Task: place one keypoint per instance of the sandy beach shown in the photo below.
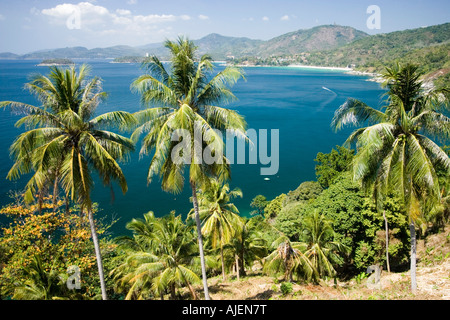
(320, 68)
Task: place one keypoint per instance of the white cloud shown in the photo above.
(66, 9)
(99, 25)
(203, 17)
(2, 17)
(131, 2)
(123, 12)
(265, 18)
(99, 19)
(285, 18)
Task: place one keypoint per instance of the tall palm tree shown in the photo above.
(219, 216)
(159, 256)
(186, 98)
(395, 153)
(322, 250)
(66, 142)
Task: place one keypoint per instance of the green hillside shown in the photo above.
(428, 47)
(318, 38)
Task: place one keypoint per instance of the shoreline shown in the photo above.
(298, 66)
(373, 77)
(320, 68)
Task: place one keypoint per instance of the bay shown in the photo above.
(299, 102)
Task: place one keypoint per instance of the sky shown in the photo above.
(31, 25)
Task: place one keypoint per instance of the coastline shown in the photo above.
(320, 68)
(374, 77)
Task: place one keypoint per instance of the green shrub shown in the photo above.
(286, 288)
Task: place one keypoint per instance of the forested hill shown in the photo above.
(429, 47)
(310, 40)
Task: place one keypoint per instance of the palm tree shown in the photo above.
(220, 218)
(289, 257)
(159, 256)
(66, 142)
(246, 247)
(39, 284)
(395, 153)
(185, 100)
(323, 251)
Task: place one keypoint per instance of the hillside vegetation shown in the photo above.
(427, 47)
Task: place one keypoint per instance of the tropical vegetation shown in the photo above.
(372, 197)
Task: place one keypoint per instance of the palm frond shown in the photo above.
(355, 112)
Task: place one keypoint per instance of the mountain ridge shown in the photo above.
(218, 46)
(325, 46)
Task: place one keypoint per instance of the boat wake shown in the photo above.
(328, 101)
(325, 88)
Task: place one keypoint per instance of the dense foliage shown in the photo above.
(38, 244)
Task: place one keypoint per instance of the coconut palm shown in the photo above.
(39, 284)
(183, 103)
(322, 250)
(395, 153)
(289, 257)
(160, 256)
(66, 141)
(246, 247)
(220, 217)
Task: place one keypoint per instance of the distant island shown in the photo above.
(56, 62)
(128, 59)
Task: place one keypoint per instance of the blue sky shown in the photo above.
(30, 25)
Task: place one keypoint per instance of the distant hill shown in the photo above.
(218, 46)
(375, 50)
(310, 40)
(318, 38)
(428, 47)
(84, 53)
(8, 55)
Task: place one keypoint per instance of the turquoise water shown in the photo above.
(298, 102)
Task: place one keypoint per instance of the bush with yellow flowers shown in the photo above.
(60, 237)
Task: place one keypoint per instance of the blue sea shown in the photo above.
(299, 102)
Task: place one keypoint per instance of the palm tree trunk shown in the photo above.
(40, 201)
(200, 240)
(67, 205)
(237, 267)
(387, 240)
(55, 193)
(97, 254)
(192, 291)
(223, 262)
(241, 262)
(412, 230)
